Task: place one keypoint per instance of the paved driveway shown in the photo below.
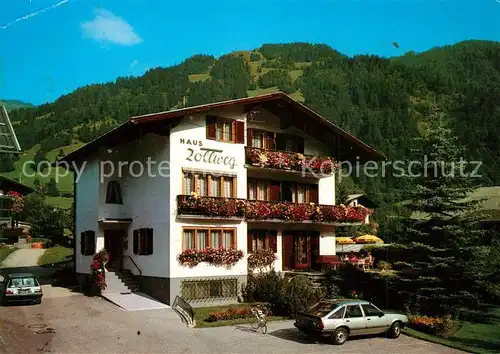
(77, 324)
(23, 257)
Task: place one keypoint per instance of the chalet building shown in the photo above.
(354, 200)
(234, 177)
(9, 191)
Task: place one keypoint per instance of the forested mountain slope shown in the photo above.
(380, 100)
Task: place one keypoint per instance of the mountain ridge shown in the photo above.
(380, 100)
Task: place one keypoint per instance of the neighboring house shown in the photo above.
(8, 138)
(7, 186)
(354, 200)
(223, 175)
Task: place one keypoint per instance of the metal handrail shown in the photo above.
(135, 264)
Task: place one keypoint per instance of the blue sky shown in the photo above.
(51, 47)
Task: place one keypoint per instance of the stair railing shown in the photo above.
(135, 264)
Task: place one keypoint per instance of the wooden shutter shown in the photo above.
(313, 194)
(269, 141)
(240, 132)
(300, 144)
(91, 242)
(136, 242)
(142, 241)
(249, 241)
(275, 191)
(273, 240)
(211, 127)
(287, 252)
(280, 141)
(83, 236)
(249, 137)
(149, 242)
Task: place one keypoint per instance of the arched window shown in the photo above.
(114, 193)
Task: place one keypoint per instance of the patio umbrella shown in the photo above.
(368, 239)
(344, 240)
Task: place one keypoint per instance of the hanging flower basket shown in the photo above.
(97, 268)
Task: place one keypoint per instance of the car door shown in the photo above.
(355, 320)
(376, 322)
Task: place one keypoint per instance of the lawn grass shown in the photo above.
(261, 91)
(60, 202)
(202, 313)
(4, 252)
(198, 77)
(295, 74)
(65, 181)
(55, 255)
(482, 335)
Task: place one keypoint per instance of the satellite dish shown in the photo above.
(8, 138)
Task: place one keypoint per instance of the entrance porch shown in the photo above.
(298, 247)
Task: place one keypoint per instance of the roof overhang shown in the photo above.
(7, 184)
(345, 145)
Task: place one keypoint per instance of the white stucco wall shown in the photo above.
(327, 243)
(326, 190)
(188, 135)
(87, 194)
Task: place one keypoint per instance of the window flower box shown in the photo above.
(264, 210)
(226, 257)
(292, 161)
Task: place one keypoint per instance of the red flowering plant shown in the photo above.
(98, 270)
(264, 210)
(222, 207)
(290, 161)
(226, 257)
(17, 203)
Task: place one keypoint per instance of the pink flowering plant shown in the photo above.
(98, 271)
(226, 257)
(221, 207)
(290, 161)
(17, 203)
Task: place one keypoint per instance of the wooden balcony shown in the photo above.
(256, 210)
(290, 161)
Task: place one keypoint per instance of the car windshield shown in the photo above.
(321, 309)
(22, 282)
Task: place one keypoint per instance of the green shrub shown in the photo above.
(286, 296)
(383, 265)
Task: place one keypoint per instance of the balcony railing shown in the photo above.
(290, 161)
(265, 210)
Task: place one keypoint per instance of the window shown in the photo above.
(290, 143)
(321, 308)
(262, 239)
(371, 310)
(338, 314)
(208, 237)
(260, 139)
(113, 193)
(353, 311)
(143, 242)
(259, 190)
(87, 243)
(206, 289)
(209, 185)
(226, 130)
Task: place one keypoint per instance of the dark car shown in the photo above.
(20, 287)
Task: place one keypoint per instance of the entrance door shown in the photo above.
(302, 250)
(113, 243)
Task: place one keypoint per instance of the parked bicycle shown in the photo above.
(258, 319)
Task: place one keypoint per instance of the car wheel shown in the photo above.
(340, 336)
(395, 330)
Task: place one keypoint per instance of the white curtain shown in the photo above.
(188, 239)
(202, 185)
(215, 188)
(228, 238)
(228, 187)
(215, 238)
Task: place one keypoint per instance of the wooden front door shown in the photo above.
(113, 243)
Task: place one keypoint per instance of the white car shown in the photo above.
(343, 318)
(20, 287)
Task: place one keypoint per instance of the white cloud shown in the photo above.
(106, 27)
(134, 64)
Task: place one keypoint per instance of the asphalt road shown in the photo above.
(77, 324)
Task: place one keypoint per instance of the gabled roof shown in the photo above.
(277, 103)
(7, 184)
